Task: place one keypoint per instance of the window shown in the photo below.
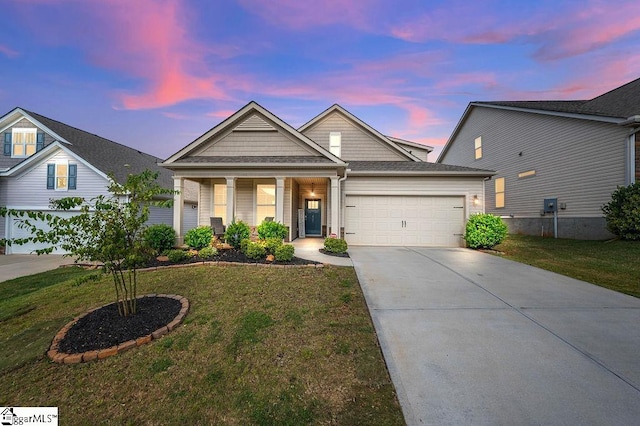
(265, 202)
(220, 201)
(335, 142)
(499, 185)
(62, 176)
(22, 142)
(527, 174)
(478, 147)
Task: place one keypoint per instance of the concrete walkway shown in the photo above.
(308, 248)
(471, 338)
(18, 265)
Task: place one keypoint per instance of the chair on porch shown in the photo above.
(217, 227)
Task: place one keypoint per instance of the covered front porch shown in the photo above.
(308, 205)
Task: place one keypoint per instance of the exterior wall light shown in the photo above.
(476, 201)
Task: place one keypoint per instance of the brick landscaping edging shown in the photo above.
(64, 358)
(225, 263)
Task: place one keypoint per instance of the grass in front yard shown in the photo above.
(612, 264)
(258, 346)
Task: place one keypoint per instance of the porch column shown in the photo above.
(279, 200)
(231, 200)
(178, 206)
(335, 206)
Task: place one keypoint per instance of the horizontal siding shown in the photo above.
(190, 217)
(253, 123)
(244, 200)
(579, 162)
(160, 215)
(356, 144)
(205, 202)
(30, 187)
(256, 144)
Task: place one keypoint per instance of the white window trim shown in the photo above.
(257, 219)
(66, 164)
(223, 188)
(503, 192)
(16, 130)
(335, 143)
(477, 148)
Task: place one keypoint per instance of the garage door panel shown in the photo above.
(404, 220)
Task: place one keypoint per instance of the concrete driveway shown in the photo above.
(18, 265)
(471, 338)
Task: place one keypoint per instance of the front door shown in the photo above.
(312, 224)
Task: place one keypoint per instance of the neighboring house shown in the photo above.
(44, 159)
(334, 175)
(577, 152)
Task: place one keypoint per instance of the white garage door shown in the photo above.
(15, 231)
(404, 220)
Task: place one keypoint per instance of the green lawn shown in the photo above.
(613, 264)
(259, 346)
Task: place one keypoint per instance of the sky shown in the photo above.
(157, 74)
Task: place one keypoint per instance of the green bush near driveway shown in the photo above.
(484, 231)
(284, 253)
(622, 213)
(335, 245)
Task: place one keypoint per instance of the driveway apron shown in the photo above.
(471, 338)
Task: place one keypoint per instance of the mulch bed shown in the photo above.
(328, 253)
(232, 255)
(104, 327)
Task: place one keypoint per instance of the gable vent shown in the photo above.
(253, 124)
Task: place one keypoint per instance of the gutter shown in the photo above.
(632, 121)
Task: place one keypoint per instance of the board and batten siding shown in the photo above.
(426, 186)
(255, 144)
(580, 162)
(29, 189)
(356, 143)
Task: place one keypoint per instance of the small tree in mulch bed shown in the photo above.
(107, 229)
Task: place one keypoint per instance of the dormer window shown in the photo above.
(335, 142)
(22, 142)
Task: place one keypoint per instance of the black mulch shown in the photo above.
(328, 253)
(232, 255)
(105, 328)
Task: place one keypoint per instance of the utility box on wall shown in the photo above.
(550, 205)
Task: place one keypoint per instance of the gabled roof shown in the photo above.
(235, 119)
(353, 118)
(103, 154)
(618, 106)
(410, 144)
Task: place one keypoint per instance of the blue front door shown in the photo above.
(312, 223)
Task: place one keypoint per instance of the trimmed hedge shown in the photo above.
(207, 252)
(160, 237)
(255, 250)
(284, 253)
(272, 229)
(622, 213)
(199, 237)
(485, 231)
(335, 245)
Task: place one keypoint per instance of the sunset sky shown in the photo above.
(156, 74)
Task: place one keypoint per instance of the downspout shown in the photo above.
(340, 212)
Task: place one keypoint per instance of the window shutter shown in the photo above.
(51, 176)
(7, 144)
(40, 142)
(73, 176)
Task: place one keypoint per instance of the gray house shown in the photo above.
(334, 175)
(577, 152)
(44, 159)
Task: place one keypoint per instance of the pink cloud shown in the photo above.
(8, 52)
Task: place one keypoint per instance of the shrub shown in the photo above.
(199, 237)
(272, 244)
(284, 253)
(484, 231)
(236, 232)
(622, 213)
(255, 250)
(272, 229)
(335, 245)
(208, 252)
(160, 237)
(176, 256)
(243, 245)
